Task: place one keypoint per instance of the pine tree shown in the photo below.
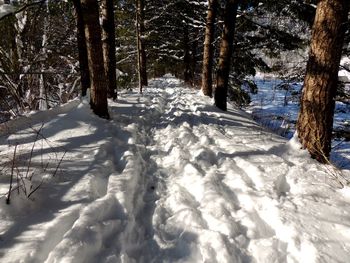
(179, 53)
(109, 46)
(315, 119)
(98, 89)
(226, 49)
(208, 52)
(188, 77)
(82, 50)
(141, 53)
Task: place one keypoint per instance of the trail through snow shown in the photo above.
(170, 179)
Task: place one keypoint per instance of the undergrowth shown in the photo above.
(28, 166)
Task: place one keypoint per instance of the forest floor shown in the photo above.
(169, 179)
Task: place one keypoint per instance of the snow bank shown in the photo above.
(36, 117)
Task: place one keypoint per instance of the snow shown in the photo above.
(5, 9)
(344, 74)
(169, 179)
(278, 108)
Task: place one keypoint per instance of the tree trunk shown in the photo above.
(194, 48)
(42, 93)
(208, 53)
(15, 54)
(226, 49)
(108, 33)
(315, 119)
(82, 50)
(43, 105)
(187, 56)
(98, 90)
(141, 54)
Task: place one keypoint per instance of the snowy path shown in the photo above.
(172, 179)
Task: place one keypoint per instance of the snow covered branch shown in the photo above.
(7, 10)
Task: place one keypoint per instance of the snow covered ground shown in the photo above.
(169, 179)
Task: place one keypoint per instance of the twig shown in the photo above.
(32, 150)
(47, 165)
(35, 189)
(23, 186)
(18, 179)
(5, 194)
(335, 146)
(54, 174)
(11, 179)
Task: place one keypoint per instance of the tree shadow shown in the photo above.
(83, 155)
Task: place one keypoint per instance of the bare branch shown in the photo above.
(11, 179)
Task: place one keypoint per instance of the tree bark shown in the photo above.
(98, 90)
(108, 34)
(141, 53)
(194, 49)
(187, 56)
(208, 53)
(315, 119)
(226, 49)
(43, 105)
(15, 55)
(82, 49)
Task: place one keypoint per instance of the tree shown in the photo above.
(226, 49)
(98, 90)
(188, 75)
(175, 53)
(208, 52)
(315, 119)
(109, 46)
(141, 53)
(82, 50)
(38, 56)
(14, 11)
(43, 98)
